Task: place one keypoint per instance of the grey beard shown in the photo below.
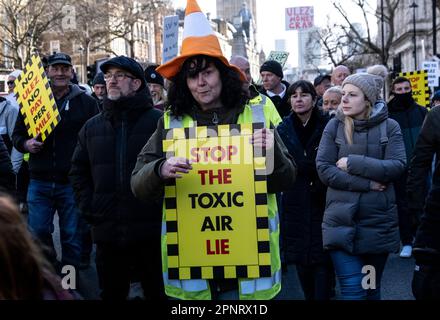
(113, 98)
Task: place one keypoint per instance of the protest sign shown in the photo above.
(216, 215)
(36, 101)
(419, 86)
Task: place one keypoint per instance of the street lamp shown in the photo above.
(382, 20)
(81, 51)
(434, 28)
(414, 6)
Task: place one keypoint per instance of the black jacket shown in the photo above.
(102, 163)
(98, 101)
(428, 144)
(410, 119)
(7, 177)
(303, 204)
(282, 104)
(52, 163)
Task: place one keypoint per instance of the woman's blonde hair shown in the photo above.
(22, 264)
(349, 123)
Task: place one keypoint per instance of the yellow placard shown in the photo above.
(217, 223)
(419, 86)
(36, 100)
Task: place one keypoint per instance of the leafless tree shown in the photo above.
(344, 42)
(21, 24)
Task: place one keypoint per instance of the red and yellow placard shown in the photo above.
(36, 100)
(419, 86)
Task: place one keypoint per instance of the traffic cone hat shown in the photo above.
(198, 39)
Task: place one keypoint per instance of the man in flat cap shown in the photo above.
(126, 231)
(155, 83)
(99, 90)
(49, 163)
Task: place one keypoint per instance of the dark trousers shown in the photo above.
(426, 283)
(117, 266)
(86, 239)
(22, 182)
(406, 222)
(317, 281)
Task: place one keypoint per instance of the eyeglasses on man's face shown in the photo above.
(119, 76)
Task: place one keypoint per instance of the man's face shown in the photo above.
(339, 75)
(270, 80)
(323, 86)
(244, 67)
(59, 75)
(155, 91)
(99, 90)
(120, 83)
(401, 88)
(10, 83)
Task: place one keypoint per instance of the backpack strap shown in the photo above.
(339, 138)
(383, 136)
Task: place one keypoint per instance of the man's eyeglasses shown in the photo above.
(10, 83)
(119, 76)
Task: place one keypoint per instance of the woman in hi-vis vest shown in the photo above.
(207, 91)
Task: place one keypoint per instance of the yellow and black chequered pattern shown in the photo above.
(36, 61)
(424, 99)
(263, 268)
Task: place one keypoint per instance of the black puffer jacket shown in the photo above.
(52, 163)
(7, 176)
(304, 203)
(104, 158)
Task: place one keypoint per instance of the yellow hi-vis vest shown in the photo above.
(264, 288)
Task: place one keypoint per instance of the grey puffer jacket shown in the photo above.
(357, 219)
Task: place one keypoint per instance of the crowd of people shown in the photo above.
(355, 176)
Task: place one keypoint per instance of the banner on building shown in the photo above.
(36, 101)
(216, 215)
(419, 86)
(170, 38)
(299, 18)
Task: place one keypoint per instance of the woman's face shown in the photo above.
(301, 102)
(330, 101)
(353, 102)
(206, 87)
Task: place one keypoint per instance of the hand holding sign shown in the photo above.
(173, 165)
(263, 138)
(33, 145)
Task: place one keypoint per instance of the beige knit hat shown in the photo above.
(370, 84)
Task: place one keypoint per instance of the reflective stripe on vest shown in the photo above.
(192, 285)
(260, 284)
(258, 111)
(175, 122)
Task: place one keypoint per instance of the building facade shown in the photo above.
(403, 53)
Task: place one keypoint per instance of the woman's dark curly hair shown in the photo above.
(180, 99)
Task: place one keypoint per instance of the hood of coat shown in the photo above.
(378, 114)
(114, 108)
